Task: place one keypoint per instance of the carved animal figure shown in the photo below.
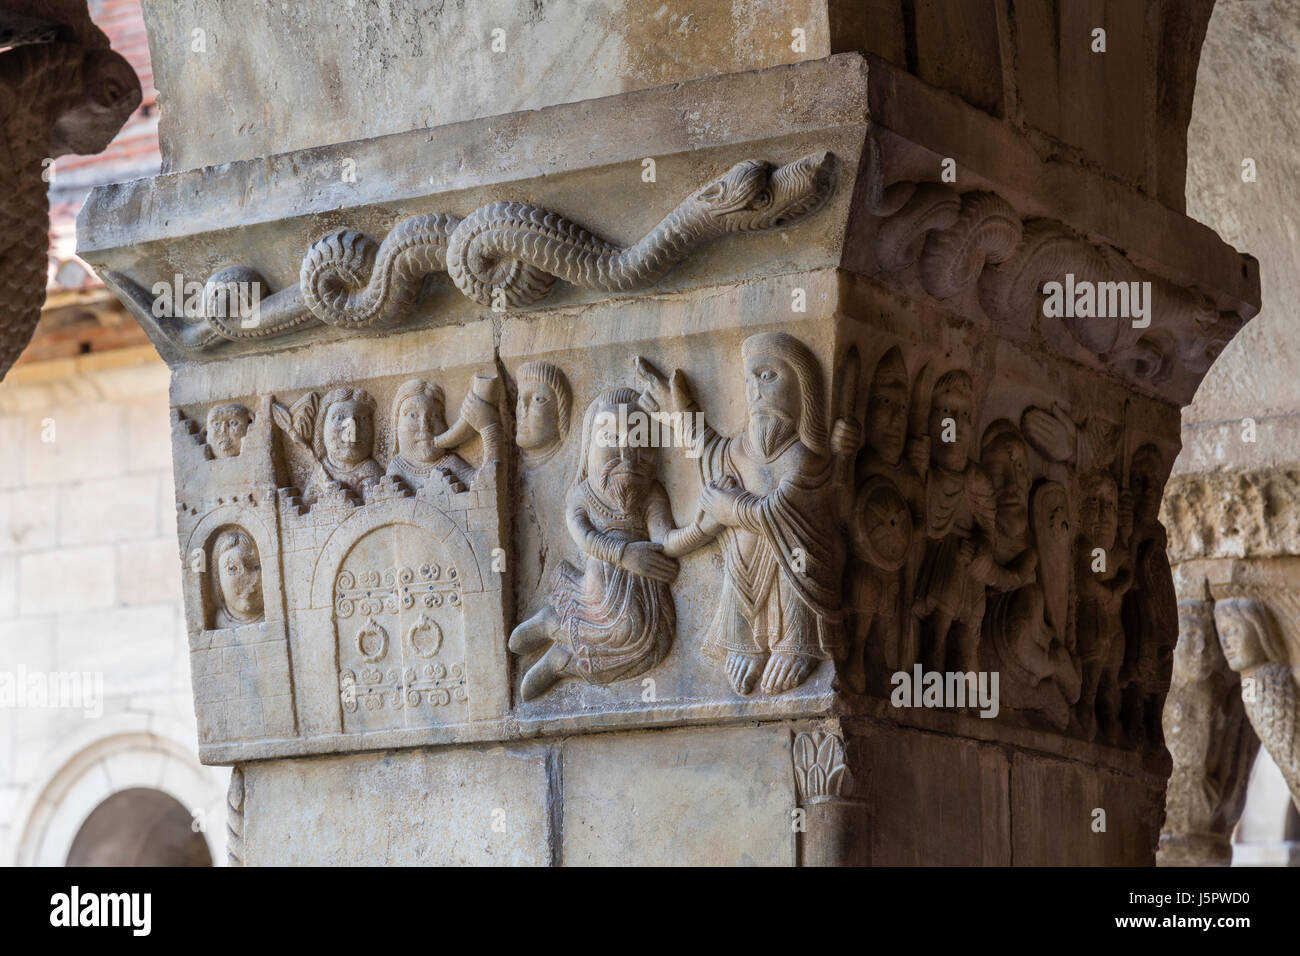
(508, 250)
(55, 98)
(489, 247)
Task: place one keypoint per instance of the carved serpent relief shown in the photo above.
(505, 254)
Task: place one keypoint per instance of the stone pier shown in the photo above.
(609, 435)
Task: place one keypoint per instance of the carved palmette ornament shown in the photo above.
(820, 772)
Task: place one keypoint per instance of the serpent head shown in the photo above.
(757, 195)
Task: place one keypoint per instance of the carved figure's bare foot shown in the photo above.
(743, 671)
(786, 672)
(533, 634)
(542, 676)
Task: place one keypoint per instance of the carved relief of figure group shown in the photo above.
(882, 536)
(893, 536)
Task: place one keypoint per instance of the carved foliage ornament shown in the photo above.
(960, 240)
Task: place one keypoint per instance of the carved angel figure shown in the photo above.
(613, 618)
(1269, 688)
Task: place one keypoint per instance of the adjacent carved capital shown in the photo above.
(55, 98)
(1233, 514)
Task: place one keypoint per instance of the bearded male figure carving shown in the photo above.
(1269, 688)
(771, 488)
(613, 619)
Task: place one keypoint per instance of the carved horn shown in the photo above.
(478, 412)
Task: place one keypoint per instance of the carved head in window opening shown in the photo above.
(951, 420)
(1246, 634)
(419, 416)
(226, 428)
(345, 427)
(617, 466)
(542, 410)
(886, 426)
(238, 573)
(783, 392)
(1099, 509)
(1005, 458)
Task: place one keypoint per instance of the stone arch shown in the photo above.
(139, 826)
(120, 753)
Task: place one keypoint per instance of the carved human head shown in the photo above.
(783, 390)
(1005, 458)
(542, 410)
(1147, 474)
(238, 574)
(419, 416)
(345, 426)
(886, 426)
(227, 425)
(1197, 637)
(1099, 508)
(613, 458)
(951, 419)
(1246, 634)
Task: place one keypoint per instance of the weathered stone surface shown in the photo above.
(933, 800)
(719, 797)
(485, 807)
(1054, 809)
